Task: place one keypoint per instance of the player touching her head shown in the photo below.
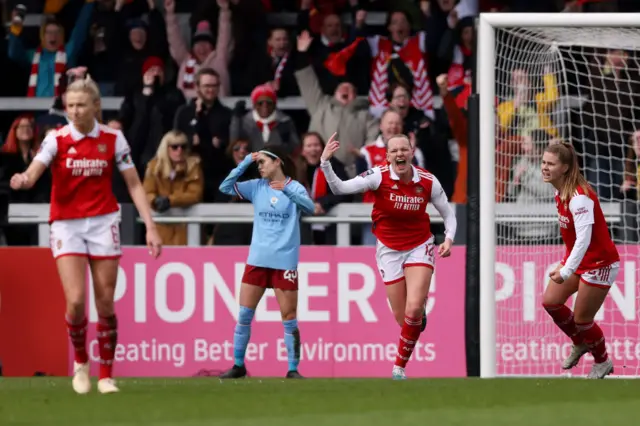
(405, 252)
(590, 265)
(278, 202)
(85, 220)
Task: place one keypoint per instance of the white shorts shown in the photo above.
(96, 237)
(391, 263)
(603, 277)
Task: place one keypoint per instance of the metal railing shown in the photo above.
(343, 216)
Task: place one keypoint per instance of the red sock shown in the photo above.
(563, 317)
(107, 340)
(594, 338)
(78, 335)
(408, 339)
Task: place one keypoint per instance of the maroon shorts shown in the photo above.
(270, 278)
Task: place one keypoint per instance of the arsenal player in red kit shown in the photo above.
(405, 251)
(590, 265)
(85, 221)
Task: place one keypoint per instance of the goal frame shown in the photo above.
(486, 60)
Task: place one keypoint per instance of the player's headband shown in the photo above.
(270, 154)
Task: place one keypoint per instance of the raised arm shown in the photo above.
(230, 185)
(367, 181)
(581, 208)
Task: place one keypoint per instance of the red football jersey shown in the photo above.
(376, 155)
(584, 209)
(400, 218)
(82, 168)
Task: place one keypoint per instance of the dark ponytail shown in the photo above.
(286, 162)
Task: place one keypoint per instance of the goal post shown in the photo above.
(516, 337)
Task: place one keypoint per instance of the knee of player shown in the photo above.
(289, 314)
(75, 309)
(105, 307)
(414, 310)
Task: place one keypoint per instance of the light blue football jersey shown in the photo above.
(275, 242)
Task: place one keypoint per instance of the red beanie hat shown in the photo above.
(150, 62)
(263, 90)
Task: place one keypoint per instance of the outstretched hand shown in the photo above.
(330, 148)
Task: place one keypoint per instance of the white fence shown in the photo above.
(343, 216)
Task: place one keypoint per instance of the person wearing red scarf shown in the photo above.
(324, 199)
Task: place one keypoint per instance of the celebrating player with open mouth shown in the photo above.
(278, 202)
(590, 265)
(405, 252)
(85, 221)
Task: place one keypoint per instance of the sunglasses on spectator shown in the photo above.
(176, 147)
(264, 102)
(240, 148)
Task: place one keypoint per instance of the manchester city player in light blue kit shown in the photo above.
(278, 201)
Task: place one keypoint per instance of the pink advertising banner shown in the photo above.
(177, 315)
(528, 343)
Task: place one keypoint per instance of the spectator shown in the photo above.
(456, 114)
(527, 187)
(206, 122)
(50, 60)
(202, 53)
(249, 30)
(342, 112)
(326, 29)
(274, 66)
(146, 37)
(234, 234)
(265, 123)
(324, 199)
(20, 146)
(397, 59)
(456, 49)
(149, 113)
(613, 116)
(173, 179)
(524, 112)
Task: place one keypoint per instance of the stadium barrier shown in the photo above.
(177, 315)
(343, 215)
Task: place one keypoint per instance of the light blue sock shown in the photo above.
(242, 334)
(292, 343)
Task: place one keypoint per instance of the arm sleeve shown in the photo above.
(441, 203)
(581, 208)
(367, 181)
(123, 153)
(298, 194)
(48, 149)
(231, 186)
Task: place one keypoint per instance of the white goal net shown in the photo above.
(580, 85)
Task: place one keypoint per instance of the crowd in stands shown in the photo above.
(176, 63)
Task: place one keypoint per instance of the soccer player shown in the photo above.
(590, 265)
(405, 252)
(278, 201)
(85, 221)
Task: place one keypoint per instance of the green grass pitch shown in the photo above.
(332, 402)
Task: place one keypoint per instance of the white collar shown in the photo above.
(379, 142)
(394, 176)
(76, 135)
